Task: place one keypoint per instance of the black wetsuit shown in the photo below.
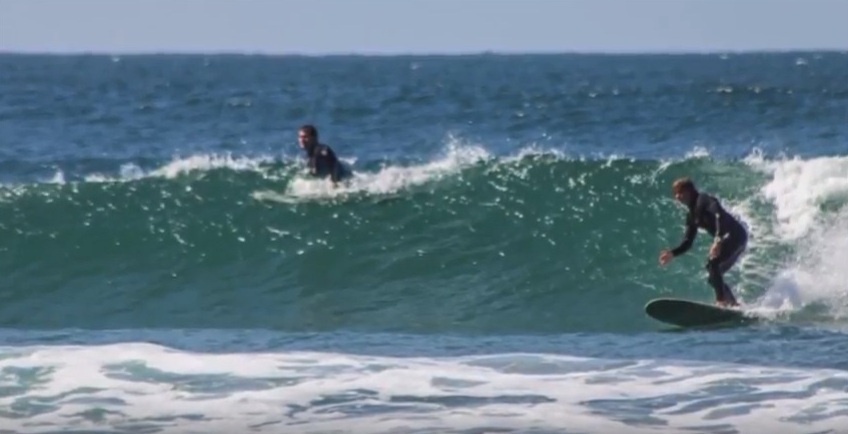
(323, 162)
(706, 212)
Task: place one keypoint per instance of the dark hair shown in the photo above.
(683, 184)
(310, 130)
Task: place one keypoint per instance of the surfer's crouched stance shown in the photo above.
(730, 236)
(322, 160)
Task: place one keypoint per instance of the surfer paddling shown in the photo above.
(730, 237)
(322, 161)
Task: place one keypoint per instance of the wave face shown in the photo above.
(166, 266)
(469, 242)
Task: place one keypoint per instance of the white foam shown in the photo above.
(458, 155)
(310, 392)
(179, 166)
(810, 198)
(800, 187)
(207, 162)
(819, 273)
(389, 179)
(697, 152)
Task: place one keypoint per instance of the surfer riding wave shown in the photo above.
(729, 235)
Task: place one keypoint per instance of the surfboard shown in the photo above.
(688, 313)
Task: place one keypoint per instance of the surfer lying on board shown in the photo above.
(322, 161)
(730, 237)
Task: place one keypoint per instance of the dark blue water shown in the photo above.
(167, 264)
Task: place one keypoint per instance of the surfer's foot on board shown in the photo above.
(727, 304)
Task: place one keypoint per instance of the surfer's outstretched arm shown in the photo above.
(688, 239)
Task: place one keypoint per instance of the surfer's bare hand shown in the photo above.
(665, 257)
(715, 250)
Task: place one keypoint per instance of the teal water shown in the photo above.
(168, 267)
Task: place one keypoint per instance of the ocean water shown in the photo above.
(167, 267)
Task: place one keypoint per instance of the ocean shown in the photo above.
(167, 266)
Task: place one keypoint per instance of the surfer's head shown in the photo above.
(307, 136)
(684, 190)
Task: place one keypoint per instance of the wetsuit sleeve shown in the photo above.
(313, 163)
(714, 211)
(688, 238)
(335, 166)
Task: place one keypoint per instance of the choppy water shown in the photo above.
(167, 267)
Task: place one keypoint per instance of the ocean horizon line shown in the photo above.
(469, 53)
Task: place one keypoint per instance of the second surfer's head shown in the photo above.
(307, 136)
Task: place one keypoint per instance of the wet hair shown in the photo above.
(310, 130)
(683, 185)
